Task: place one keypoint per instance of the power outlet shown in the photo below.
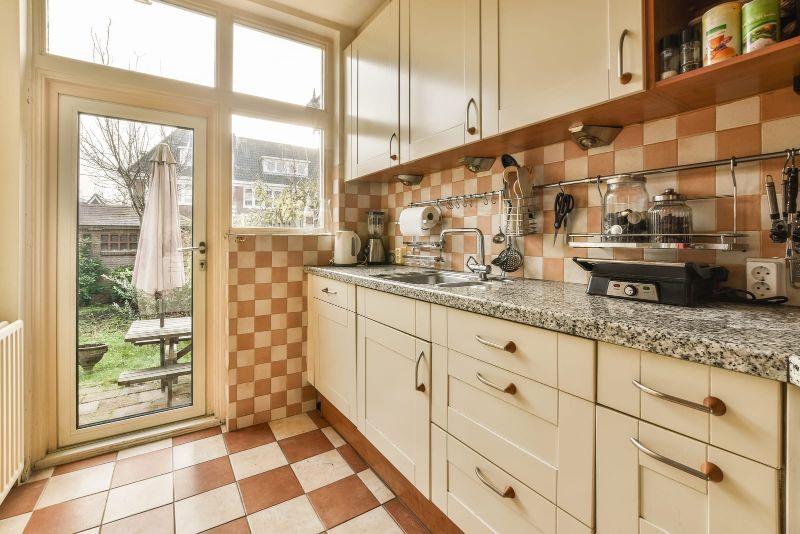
(766, 277)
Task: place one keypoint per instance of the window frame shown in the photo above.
(221, 95)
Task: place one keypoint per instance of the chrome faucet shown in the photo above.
(481, 269)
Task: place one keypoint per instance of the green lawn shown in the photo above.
(104, 324)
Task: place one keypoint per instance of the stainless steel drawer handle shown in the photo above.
(418, 386)
(708, 471)
(510, 388)
(624, 77)
(329, 292)
(392, 156)
(507, 493)
(711, 405)
(471, 130)
(508, 347)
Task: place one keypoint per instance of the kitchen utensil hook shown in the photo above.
(485, 200)
(560, 187)
(733, 183)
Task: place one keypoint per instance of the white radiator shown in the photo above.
(12, 455)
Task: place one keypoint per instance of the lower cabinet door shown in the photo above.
(332, 347)
(650, 481)
(394, 398)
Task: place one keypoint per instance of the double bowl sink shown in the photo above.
(436, 278)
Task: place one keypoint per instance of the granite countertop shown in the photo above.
(757, 340)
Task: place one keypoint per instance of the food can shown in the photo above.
(722, 32)
(760, 24)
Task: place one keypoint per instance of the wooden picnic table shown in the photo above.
(150, 331)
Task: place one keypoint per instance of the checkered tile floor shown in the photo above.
(294, 475)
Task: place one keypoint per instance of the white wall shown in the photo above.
(12, 149)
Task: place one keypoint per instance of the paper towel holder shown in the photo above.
(409, 179)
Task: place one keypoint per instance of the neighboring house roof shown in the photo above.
(249, 153)
(105, 215)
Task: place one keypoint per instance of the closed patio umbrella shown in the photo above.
(159, 258)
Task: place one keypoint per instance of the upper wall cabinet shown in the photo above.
(439, 75)
(556, 57)
(374, 97)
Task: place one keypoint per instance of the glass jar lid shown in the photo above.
(669, 195)
(626, 179)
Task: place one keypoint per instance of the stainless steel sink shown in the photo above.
(434, 278)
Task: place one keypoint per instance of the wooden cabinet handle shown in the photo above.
(510, 388)
(417, 385)
(510, 346)
(624, 77)
(392, 157)
(507, 493)
(471, 130)
(708, 471)
(711, 405)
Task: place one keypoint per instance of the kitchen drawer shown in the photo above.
(402, 313)
(473, 502)
(521, 349)
(543, 436)
(750, 424)
(333, 292)
(637, 493)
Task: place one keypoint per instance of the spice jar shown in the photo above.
(625, 209)
(691, 49)
(670, 215)
(670, 56)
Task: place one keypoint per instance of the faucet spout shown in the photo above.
(481, 269)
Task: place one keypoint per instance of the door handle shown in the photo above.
(507, 493)
(392, 157)
(711, 405)
(417, 385)
(471, 130)
(510, 388)
(508, 347)
(624, 77)
(201, 247)
(708, 471)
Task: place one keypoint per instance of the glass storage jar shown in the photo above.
(625, 209)
(670, 215)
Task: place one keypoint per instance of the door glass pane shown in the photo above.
(143, 36)
(277, 175)
(275, 67)
(134, 353)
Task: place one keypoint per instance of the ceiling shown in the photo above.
(350, 13)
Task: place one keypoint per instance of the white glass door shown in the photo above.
(131, 268)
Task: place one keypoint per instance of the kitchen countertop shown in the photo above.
(757, 340)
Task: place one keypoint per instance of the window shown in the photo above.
(274, 67)
(145, 36)
(119, 242)
(278, 166)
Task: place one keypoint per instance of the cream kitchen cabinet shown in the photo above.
(394, 398)
(544, 59)
(439, 75)
(653, 481)
(374, 98)
(792, 458)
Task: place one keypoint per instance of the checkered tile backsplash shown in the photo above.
(266, 290)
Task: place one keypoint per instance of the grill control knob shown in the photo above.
(630, 290)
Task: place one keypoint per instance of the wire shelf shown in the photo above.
(694, 241)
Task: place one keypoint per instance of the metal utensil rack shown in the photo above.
(709, 241)
(459, 201)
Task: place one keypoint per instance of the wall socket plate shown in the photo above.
(766, 277)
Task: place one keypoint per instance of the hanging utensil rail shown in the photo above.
(458, 201)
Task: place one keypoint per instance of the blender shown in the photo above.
(376, 250)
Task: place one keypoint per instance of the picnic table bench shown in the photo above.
(150, 332)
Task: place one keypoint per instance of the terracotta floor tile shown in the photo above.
(21, 499)
(141, 467)
(198, 451)
(239, 526)
(320, 421)
(194, 436)
(304, 446)
(156, 521)
(83, 464)
(268, 489)
(71, 516)
(405, 518)
(144, 448)
(247, 438)
(202, 477)
(352, 458)
(76, 484)
(342, 500)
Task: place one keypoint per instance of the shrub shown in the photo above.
(90, 272)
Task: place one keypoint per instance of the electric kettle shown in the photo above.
(346, 247)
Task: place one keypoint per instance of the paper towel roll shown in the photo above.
(419, 221)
